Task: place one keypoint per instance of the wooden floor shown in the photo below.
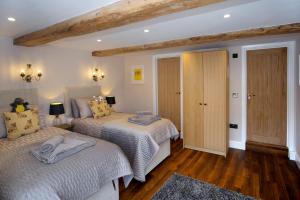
(262, 175)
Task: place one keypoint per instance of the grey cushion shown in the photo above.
(84, 108)
(2, 123)
(75, 109)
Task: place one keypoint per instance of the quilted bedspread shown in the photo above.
(76, 177)
(139, 143)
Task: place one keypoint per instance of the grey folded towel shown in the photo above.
(70, 146)
(144, 120)
(50, 145)
(144, 113)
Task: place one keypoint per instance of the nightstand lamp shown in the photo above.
(110, 100)
(57, 109)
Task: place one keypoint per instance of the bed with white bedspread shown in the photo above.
(79, 176)
(139, 143)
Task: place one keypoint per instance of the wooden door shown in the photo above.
(168, 70)
(267, 96)
(215, 100)
(193, 100)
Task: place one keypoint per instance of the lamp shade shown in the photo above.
(110, 100)
(56, 109)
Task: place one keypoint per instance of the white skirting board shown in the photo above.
(298, 160)
(237, 145)
(292, 155)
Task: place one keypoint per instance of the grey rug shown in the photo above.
(182, 187)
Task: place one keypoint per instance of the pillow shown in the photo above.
(98, 98)
(107, 108)
(20, 124)
(75, 109)
(99, 109)
(84, 108)
(2, 122)
(42, 117)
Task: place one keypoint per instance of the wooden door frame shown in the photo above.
(290, 91)
(155, 84)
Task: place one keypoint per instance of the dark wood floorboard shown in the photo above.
(262, 175)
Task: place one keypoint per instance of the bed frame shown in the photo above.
(109, 191)
(80, 92)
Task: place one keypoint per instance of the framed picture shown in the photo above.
(137, 74)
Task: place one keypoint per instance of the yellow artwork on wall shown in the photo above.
(137, 75)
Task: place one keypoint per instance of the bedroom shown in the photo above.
(103, 55)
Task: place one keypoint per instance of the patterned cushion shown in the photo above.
(99, 108)
(20, 124)
(2, 123)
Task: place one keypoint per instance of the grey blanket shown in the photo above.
(68, 147)
(77, 177)
(139, 143)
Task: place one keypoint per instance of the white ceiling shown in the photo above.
(245, 14)
(32, 15)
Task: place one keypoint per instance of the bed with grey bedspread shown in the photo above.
(139, 143)
(76, 177)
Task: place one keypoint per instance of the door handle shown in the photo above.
(205, 104)
(200, 104)
(177, 92)
(250, 96)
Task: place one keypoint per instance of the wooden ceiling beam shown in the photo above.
(256, 32)
(115, 15)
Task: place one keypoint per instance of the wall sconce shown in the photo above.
(28, 75)
(97, 75)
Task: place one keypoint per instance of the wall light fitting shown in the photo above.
(97, 75)
(28, 74)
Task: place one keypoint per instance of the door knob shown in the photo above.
(205, 104)
(200, 104)
(177, 92)
(250, 96)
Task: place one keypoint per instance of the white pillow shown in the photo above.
(84, 108)
(42, 117)
(75, 109)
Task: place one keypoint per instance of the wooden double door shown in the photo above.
(267, 96)
(205, 101)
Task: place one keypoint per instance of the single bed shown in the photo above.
(144, 146)
(89, 174)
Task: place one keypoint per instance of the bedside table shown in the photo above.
(68, 127)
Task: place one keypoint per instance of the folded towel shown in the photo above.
(70, 146)
(50, 145)
(144, 113)
(144, 120)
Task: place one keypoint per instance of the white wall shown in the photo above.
(65, 67)
(60, 68)
(235, 86)
(297, 88)
(140, 97)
